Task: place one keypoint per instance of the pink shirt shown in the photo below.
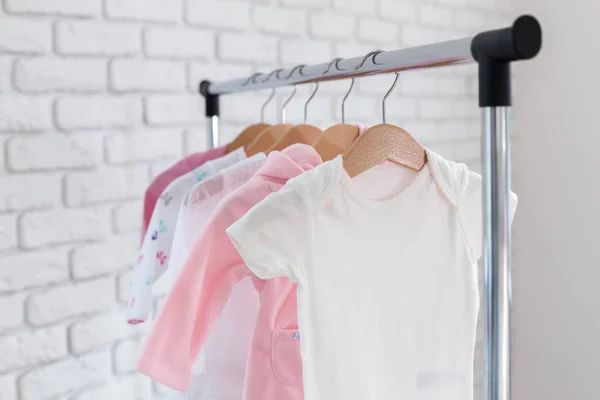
(274, 370)
(160, 183)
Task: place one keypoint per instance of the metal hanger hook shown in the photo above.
(262, 108)
(251, 78)
(334, 62)
(344, 101)
(387, 94)
(274, 72)
(285, 103)
(371, 55)
(314, 92)
(296, 68)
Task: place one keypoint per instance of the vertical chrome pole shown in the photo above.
(496, 251)
(212, 131)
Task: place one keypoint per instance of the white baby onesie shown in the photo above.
(386, 273)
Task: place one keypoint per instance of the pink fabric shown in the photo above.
(274, 370)
(361, 128)
(160, 183)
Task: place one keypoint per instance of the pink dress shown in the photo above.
(160, 183)
(274, 370)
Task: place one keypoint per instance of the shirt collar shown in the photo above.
(290, 162)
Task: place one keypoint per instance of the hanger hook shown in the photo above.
(251, 78)
(274, 72)
(387, 94)
(262, 108)
(344, 101)
(372, 55)
(285, 103)
(314, 92)
(296, 68)
(334, 62)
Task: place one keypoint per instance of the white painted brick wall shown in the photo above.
(98, 96)
(44, 74)
(83, 8)
(25, 113)
(134, 75)
(81, 112)
(97, 38)
(32, 269)
(70, 300)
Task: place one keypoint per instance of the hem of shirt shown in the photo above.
(164, 374)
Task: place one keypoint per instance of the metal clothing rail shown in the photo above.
(493, 51)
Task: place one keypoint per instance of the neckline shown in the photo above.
(359, 197)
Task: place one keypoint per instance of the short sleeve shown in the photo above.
(273, 235)
(470, 211)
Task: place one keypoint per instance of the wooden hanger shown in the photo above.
(303, 133)
(247, 136)
(267, 139)
(384, 142)
(337, 139)
(381, 143)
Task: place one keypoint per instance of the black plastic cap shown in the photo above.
(203, 88)
(521, 41)
(495, 50)
(211, 100)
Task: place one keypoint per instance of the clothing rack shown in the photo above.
(493, 51)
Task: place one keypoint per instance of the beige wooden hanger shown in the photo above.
(303, 133)
(249, 134)
(338, 138)
(384, 142)
(271, 135)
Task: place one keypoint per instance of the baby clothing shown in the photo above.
(156, 247)
(386, 270)
(160, 183)
(219, 370)
(200, 202)
(205, 283)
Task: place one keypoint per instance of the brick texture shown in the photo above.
(98, 96)
(52, 151)
(104, 258)
(97, 38)
(57, 303)
(83, 112)
(25, 113)
(23, 35)
(65, 376)
(91, 333)
(145, 10)
(44, 74)
(31, 348)
(131, 75)
(82, 8)
(37, 268)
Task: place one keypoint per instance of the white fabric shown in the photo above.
(219, 371)
(201, 200)
(386, 268)
(155, 251)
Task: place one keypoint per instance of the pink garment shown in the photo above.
(274, 370)
(361, 128)
(160, 183)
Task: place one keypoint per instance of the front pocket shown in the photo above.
(285, 356)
